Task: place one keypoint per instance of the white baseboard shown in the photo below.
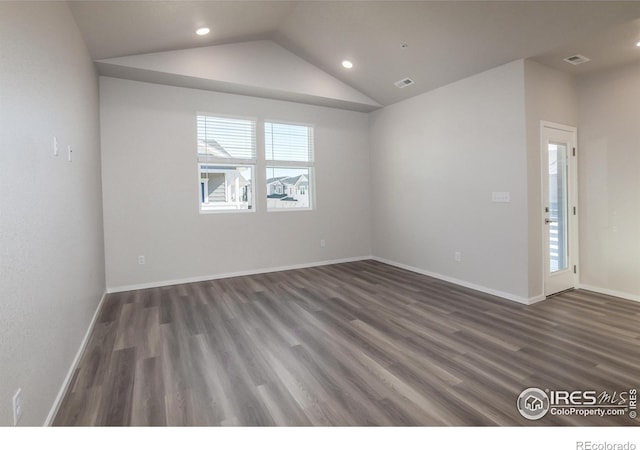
(74, 365)
(476, 287)
(611, 292)
(243, 273)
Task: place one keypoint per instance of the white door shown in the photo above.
(559, 203)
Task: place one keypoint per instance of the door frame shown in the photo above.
(573, 228)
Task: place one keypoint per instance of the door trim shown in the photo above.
(574, 236)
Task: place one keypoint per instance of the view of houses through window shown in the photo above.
(225, 187)
(290, 146)
(227, 159)
(287, 187)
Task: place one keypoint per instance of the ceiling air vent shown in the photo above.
(576, 59)
(404, 83)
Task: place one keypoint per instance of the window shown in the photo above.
(289, 155)
(226, 163)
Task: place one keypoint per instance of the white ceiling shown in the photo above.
(256, 68)
(447, 40)
(613, 47)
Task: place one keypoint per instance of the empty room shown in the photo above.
(320, 213)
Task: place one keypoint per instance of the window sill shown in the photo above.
(226, 211)
(289, 210)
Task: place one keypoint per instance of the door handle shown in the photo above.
(548, 221)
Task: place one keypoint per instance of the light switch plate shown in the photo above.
(501, 197)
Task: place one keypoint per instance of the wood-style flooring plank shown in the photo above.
(355, 344)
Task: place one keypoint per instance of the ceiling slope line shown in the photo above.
(257, 68)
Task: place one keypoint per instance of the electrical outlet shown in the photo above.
(55, 146)
(141, 259)
(17, 407)
(323, 243)
(457, 256)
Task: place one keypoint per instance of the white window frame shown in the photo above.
(287, 164)
(226, 162)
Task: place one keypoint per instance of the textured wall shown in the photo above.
(436, 159)
(151, 188)
(609, 166)
(51, 240)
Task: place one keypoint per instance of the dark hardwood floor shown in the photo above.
(361, 343)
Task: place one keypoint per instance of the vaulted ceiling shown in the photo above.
(433, 43)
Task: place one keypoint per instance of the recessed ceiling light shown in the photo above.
(638, 44)
(202, 31)
(347, 64)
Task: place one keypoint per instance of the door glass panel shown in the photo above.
(558, 208)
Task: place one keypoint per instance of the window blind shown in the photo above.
(286, 142)
(225, 138)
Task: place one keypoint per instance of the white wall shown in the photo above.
(150, 188)
(550, 95)
(436, 159)
(51, 241)
(609, 170)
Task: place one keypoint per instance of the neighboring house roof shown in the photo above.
(299, 180)
(275, 180)
(294, 180)
(211, 147)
